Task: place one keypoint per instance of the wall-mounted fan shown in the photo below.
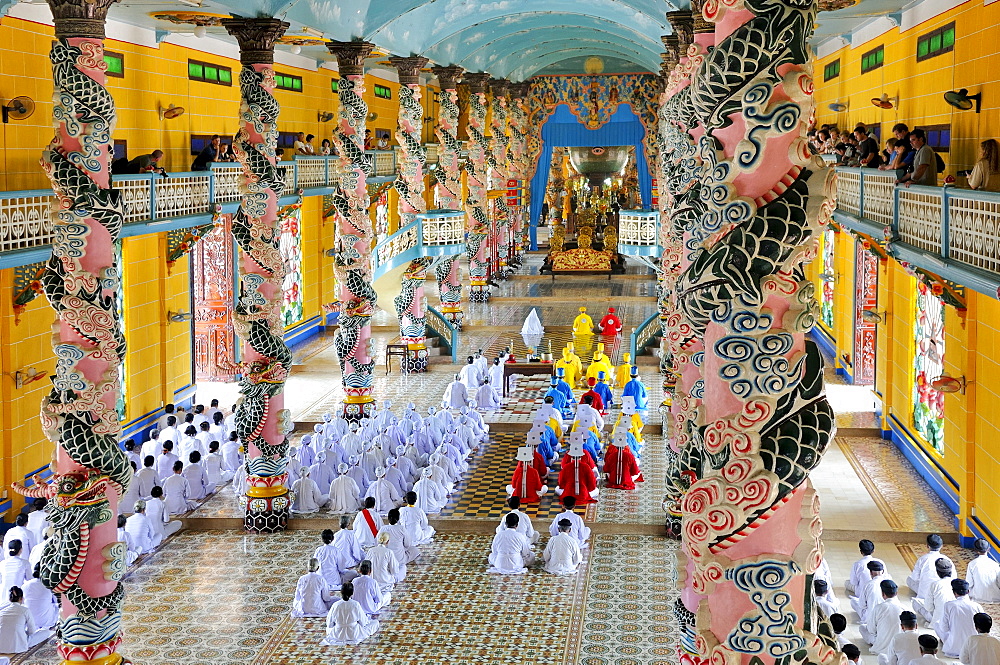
(326, 116)
(885, 102)
(963, 101)
(18, 108)
(372, 117)
(170, 112)
(838, 107)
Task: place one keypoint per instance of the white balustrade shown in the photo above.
(25, 221)
(135, 196)
(920, 217)
(974, 230)
(849, 191)
(312, 172)
(227, 183)
(637, 228)
(181, 195)
(385, 162)
(444, 229)
(432, 152)
(878, 192)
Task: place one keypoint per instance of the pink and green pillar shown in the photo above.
(448, 191)
(476, 201)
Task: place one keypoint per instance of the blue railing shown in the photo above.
(434, 233)
(438, 326)
(643, 335)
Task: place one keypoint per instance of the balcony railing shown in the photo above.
(25, 216)
(959, 224)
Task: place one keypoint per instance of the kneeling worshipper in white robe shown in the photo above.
(957, 624)
(177, 492)
(562, 553)
(883, 619)
(825, 599)
(510, 553)
(396, 477)
(197, 478)
(923, 574)
(431, 497)
(308, 498)
(981, 574)
(139, 529)
(312, 594)
(347, 623)
(358, 473)
(334, 563)
(130, 552)
(439, 472)
(345, 542)
(456, 395)
(580, 531)
(215, 467)
(367, 591)
(414, 521)
(523, 521)
(386, 568)
(406, 465)
(367, 524)
(470, 376)
(399, 540)
(931, 607)
(18, 631)
(40, 601)
(159, 518)
(981, 648)
(487, 398)
(345, 495)
(321, 473)
(385, 493)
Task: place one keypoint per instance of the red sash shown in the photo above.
(371, 522)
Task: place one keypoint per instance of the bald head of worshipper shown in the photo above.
(393, 516)
(511, 521)
(852, 652)
(565, 525)
(983, 623)
(928, 644)
(327, 534)
(410, 498)
(148, 460)
(943, 568)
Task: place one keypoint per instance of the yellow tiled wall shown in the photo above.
(973, 64)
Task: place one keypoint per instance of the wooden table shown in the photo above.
(391, 350)
(525, 369)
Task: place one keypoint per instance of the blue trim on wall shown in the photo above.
(823, 340)
(303, 331)
(981, 531)
(929, 469)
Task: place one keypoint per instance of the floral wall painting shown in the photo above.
(928, 364)
(290, 246)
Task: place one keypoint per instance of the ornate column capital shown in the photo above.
(476, 82)
(448, 76)
(701, 26)
(683, 24)
(350, 56)
(80, 18)
(256, 37)
(671, 50)
(500, 87)
(409, 68)
(520, 90)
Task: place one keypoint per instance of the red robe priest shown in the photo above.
(526, 484)
(610, 324)
(620, 464)
(577, 478)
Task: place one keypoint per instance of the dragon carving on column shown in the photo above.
(354, 231)
(83, 562)
(498, 162)
(449, 187)
(262, 422)
(410, 186)
(750, 518)
(517, 159)
(479, 222)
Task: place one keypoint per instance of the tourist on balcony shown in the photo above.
(368, 139)
(213, 152)
(300, 145)
(924, 162)
(868, 156)
(326, 148)
(141, 164)
(986, 173)
(902, 158)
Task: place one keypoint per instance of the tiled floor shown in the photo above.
(222, 597)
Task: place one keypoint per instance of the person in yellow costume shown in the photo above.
(583, 324)
(600, 363)
(623, 371)
(571, 365)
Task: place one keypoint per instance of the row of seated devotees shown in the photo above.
(949, 606)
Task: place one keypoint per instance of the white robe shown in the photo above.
(580, 531)
(126, 505)
(176, 494)
(41, 603)
(350, 552)
(456, 395)
(532, 325)
(145, 480)
(982, 577)
(38, 520)
(371, 597)
(332, 565)
(308, 498)
(138, 528)
(510, 553)
(883, 625)
(15, 572)
(159, 520)
(27, 542)
(869, 596)
(931, 608)
(470, 376)
(562, 555)
(386, 568)
(385, 494)
(362, 532)
(231, 456)
(414, 521)
(18, 632)
(312, 597)
(347, 623)
(956, 625)
(345, 495)
(400, 544)
(923, 575)
(431, 497)
(524, 526)
(981, 650)
(904, 648)
(587, 417)
(198, 481)
(487, 398)
(859, 575)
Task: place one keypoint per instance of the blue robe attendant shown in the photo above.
(604, 391)
(632, 443)
(634, 388)
(593, 445)
(559, 401)
(547, 448)
(565, 389)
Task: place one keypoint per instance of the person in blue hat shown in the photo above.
(604, 390)
(566, 389)
(636, 389)
(558, 398)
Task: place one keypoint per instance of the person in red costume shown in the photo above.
(594, 397)
(577, 438)
(525, 484)
(619, 463)
(610, 324)
(538, 462)
(577, 479)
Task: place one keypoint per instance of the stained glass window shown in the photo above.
(290, 246)
(826, 297)
(928, 364)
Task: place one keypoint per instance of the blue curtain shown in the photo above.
(563, 130)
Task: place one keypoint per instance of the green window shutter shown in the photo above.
(195, 70)
(225, 76)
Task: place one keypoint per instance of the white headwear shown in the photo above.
(628, 405)
(390, 461)
(525, 454)
(434, 458)
(426, 473)
(304, 472)
(387, 404)
(321, 456)
(579, 436)
(352, 460)
(411, 406)
(317, 428)
(400, 449)
(307, 439)
(534, 437)
(327, 417)
(379, 471)
(464, 410)
(576, 448)
(620, 437)
(342, 468)
(431, 410)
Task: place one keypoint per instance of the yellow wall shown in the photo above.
(973, 64)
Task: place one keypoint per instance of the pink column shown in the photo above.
(354, 231)
(500, 170)
(85, 562)
(475, 169)
(517, 159)
(449, 187)
(261, 419)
